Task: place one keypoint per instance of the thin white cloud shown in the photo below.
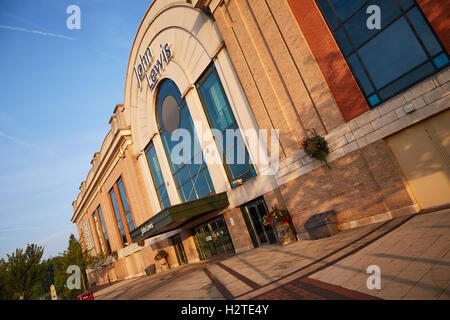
(23, 143)
(48, 34)
(8, 230)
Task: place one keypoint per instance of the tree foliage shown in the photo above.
(23, 270)
(5, 290)
(74, 255)
(24, 275)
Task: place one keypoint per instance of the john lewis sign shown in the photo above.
(151, 69)
(146, 228)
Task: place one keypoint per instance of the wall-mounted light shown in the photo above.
(121, 153)
(238, 182)
(408, 108)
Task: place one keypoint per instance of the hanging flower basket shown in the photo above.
(316, 146)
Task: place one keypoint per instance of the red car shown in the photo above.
(86, 296)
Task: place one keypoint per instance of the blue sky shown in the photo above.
(58, 88)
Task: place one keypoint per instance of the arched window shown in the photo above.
(191, 177)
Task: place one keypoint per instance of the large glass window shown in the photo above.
(98, 234)
(125, 205)
(221, 117)
(388, 60)
(157, 176)
(121, 210)
(191, 175)
(115, 205)
(104, 233)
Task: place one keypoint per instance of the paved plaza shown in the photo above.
(412, 253)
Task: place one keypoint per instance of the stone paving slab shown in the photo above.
(310, 289)
(412, 252)
(414, 261)
(185, 282)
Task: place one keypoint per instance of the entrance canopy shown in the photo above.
(178, 215)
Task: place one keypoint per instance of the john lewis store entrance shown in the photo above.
(213, 239)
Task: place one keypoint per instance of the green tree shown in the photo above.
(74, 255)
(42, 289)
(24, 270)
(5, 290)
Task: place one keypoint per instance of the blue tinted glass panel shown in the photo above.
(400, 52)
(183, 175)
(201, 185)
(440, 60)
(406, 4)
(194, 168)
(345, 8)
(163, 192)
(125, 205)
(407, 80)
(360, 74)
(221, 117)
(189, 192)
(158, 179)
(356, 25)
(166, 203)
(154, 165)
(424, 32)
(216, 104)
(105, 234)
(329, 13)
(113, 198)
(343, 41)
(373, 100)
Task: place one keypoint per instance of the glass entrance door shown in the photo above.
(264, 234)
(179, 249)
(212, 239)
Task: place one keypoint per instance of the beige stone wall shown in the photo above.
(426, 99)
(127, 168)
(364, 184)
(279, 75)
(189, 246)
(238, 232)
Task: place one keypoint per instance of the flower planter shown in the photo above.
(280, 219)
(161, 257)
(164, 266)
(285, 233)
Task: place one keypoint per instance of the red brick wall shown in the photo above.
(361, 184)
(274, 199)
(335, 70)
(438, 14)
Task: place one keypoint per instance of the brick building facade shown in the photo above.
(293, 66)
